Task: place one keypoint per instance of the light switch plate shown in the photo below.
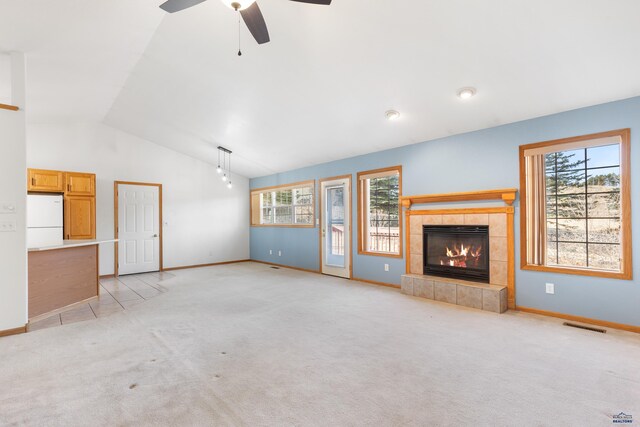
(550, 288)
(7, 208)
(8, 226)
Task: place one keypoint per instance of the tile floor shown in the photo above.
(115, 295)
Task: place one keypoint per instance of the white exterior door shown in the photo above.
(138, 228)
(335, 223)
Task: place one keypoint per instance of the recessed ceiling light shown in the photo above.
(466, 93)
(392, 115)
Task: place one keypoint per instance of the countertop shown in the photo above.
(72, 244)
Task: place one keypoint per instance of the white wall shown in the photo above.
(205, 222)
(13, 190)
(5, 78)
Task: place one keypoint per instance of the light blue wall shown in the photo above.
(479, 160)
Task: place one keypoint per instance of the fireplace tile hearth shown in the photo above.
(406, 285)
(469, 296)
(423, 288)
(445, 292)
(494, 301)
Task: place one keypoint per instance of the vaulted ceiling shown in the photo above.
(319, 90)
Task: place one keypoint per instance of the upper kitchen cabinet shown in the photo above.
(80, 184)
(45, 181)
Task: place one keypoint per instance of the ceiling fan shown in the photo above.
(249, 10)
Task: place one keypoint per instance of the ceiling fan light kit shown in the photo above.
(237, 5)
(248, 9)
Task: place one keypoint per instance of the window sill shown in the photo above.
(285, 225)
(381, 254)
(622, 275)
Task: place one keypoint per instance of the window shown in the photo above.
(290, 205)
(379, 223)
(575, 205)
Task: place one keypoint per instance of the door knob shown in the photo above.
(155, 235)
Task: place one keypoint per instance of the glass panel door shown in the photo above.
(336, 226)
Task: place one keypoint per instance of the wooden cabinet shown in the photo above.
(80, 184)
(45, 181)
(79, 217)
(79, 190)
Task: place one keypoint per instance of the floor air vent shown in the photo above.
(588, 328)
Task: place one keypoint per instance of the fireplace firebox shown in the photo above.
(457, 251)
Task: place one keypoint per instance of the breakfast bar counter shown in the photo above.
(63, 275)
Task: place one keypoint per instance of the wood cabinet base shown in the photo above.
(61, 277)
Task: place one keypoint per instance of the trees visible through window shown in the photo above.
(575, 204)
(379, 212)
(286, 205)
(583, 207)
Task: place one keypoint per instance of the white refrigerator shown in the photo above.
(44, 220)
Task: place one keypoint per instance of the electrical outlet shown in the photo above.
(386, 267)
(550, 288)
(279, 253)
(270, 251)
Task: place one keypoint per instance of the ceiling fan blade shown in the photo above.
(255, 22)
(327, 2)
(178, 5)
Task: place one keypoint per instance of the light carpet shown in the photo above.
(245, 344)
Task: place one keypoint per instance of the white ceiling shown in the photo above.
(79, 52)
(319, 90)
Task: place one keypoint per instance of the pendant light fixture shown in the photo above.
(225, 169)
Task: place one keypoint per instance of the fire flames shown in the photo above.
(462, 256)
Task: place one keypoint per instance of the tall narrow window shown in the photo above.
(289, 205)
(379, 223)
(575, 203)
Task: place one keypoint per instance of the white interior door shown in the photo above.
(335, 225)
(138, 228)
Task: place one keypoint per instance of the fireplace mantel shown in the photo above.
(508, 195)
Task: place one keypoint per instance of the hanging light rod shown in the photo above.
(226, 150)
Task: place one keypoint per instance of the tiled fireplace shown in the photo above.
(461, 256)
